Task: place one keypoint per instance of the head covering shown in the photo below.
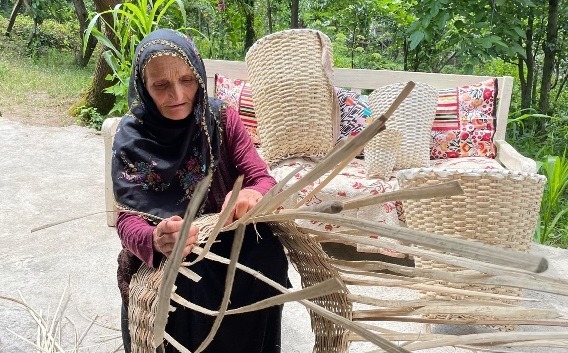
(157, 162)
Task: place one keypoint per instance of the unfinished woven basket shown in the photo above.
(296, 106)
(414, 118)
(499, 207)
(143, 295)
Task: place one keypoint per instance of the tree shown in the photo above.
(294, 9)
(17, 5)
(83, 57)
(95, 95)
(518, 31)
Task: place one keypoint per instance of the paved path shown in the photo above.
(50, 174)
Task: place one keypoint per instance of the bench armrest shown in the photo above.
(513, 160)
(109, 130)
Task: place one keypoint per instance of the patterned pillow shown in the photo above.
(355, 113)
(465, 121)
(238, 95)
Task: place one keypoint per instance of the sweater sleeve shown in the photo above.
(245, 157)
(136, 236)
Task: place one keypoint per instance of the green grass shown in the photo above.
(47, 80)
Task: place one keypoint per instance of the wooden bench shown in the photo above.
(357, 80)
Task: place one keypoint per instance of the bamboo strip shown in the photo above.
(495, 312)
(172, 265)
(329, 286)
(341, 153)
(441, 190)
(496, 258)
(230, 278)
(329, 178)
(223, 216)
(339, 320)
(498, 337)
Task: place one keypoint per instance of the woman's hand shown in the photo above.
(167, 232)
(246, 200)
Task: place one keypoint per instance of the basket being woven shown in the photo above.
(499, 207)
(296, 106)
(414, 118)
(143, 295)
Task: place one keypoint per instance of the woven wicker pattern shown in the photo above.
(143, 295)
(414, 118)
(381, 152)
(498, 207)
(314, 267)
(292, 85)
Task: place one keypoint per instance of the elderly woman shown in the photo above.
(172, 136)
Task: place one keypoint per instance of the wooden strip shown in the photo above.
(229, 280)
(333, 317)
(172, 266)
(468, 249)
(441, 190)
(225, 213)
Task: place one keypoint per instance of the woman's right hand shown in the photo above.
(167, 232)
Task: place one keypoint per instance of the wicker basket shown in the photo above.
(499, 207)
(292, 85)
(143, 295)
(414, 118)
(381, 152)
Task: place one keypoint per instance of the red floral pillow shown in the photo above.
(238, 95)
(465, 121)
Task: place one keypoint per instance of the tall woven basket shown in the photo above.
(296, 106)
(498, 207)
(414, 118)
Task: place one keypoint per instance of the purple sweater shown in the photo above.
(136, 234)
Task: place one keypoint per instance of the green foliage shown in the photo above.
(132, 21)
(90, 117)
(552, 212)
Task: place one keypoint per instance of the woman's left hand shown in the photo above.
(246, 200)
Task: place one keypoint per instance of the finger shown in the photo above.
(227, 197)
(187, 250)
(230, 218)
(241, 208)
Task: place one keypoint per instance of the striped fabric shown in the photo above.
(465, 121)
(238, 95)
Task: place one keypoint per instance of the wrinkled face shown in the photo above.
(172, 85)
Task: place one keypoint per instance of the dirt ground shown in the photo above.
(47, 112)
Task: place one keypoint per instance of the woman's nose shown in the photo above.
(176, 91)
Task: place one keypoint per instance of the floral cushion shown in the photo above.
(350, 182)
(238, 95)
(465, 121)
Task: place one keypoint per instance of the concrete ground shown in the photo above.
(50, 174)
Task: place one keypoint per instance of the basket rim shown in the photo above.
(415, 173)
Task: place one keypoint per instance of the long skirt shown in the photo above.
(253, 332)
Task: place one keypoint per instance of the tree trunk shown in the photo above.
(294, 9)
(82, 15)
(269, 15)
(550, 48)
(94, 95)
(13, 16)
(250, 36)
(527, 82)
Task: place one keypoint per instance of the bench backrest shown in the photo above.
(359, 79)
(354, 79)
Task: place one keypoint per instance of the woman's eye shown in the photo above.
(160, 85)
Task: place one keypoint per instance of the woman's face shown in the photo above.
(172, 85)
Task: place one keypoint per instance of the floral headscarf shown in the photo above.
(157, 162)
